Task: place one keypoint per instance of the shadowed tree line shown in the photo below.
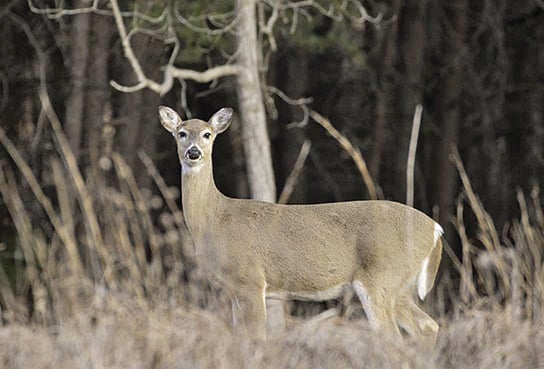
(476, 67)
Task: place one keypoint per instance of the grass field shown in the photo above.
(107, 280)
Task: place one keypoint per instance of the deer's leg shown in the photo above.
(378, 304)
(249, 310)
(415, 321)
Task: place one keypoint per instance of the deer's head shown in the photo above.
(194, 137)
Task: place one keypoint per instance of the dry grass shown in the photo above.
(107, 286)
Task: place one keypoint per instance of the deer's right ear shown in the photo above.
(220, 121)
(169, 119)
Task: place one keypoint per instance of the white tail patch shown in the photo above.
(422, 279)
(422, 287)
(438, 232)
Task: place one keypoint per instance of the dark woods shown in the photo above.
(476, 67)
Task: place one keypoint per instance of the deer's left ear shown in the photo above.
(169, 119)
(220, 121)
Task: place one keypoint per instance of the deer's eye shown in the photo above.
(207, 135)
(182, 134)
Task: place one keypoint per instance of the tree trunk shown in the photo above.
(79, 54)
(293, 80)
(131, 112)
(98, 91)
(452, 113)
(238, 160)
(140, 110)
(253, 118)
(385, 89)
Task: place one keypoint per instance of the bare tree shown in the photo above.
(452, 114)
(98, 89)
(385, 90)
(79, 54)
(254, 130)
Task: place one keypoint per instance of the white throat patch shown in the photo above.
(191, 169)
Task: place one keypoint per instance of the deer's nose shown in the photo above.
(193, 153)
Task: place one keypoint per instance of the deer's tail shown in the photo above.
(429, 269)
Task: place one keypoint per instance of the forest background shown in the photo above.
(325, 94)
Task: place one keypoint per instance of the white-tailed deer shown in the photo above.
(384, 251)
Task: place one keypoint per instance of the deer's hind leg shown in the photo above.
(413, 320)
(378, 303)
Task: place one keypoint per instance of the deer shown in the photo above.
(383, 251)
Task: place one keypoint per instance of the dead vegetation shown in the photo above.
(108, 283)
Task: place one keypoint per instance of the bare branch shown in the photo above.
(291, 181)
(364, 16)
(56, 13)
(301, 102)
(207, 75)
(309, 3)
(268, 29)
(412, 156)
(129, 53)
(224, 29)
(183, 99)
(28, 32)
(170, 71)
(129, 89)
(350, 149)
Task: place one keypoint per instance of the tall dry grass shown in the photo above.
(109, 281)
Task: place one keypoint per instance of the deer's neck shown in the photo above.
(200, 198)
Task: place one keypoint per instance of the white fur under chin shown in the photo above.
(191, 169)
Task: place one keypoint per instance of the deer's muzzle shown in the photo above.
(193, 153)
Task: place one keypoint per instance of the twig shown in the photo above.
(163, 188)
(129, 53)
(27, 240)
(466, 285)
(365, 17)
(207, 75)
(291, 181)
(488, 235)
(125, 174)
(268, 28)
(212, 32)
(301, 102)
(350, 149)
(56, 13)
(412, 156)
(183, 99)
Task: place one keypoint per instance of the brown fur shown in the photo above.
(303, 251)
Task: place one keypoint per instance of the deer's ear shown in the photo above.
(169, 119)
(220, 121)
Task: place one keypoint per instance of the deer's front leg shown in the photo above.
(249, 310)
